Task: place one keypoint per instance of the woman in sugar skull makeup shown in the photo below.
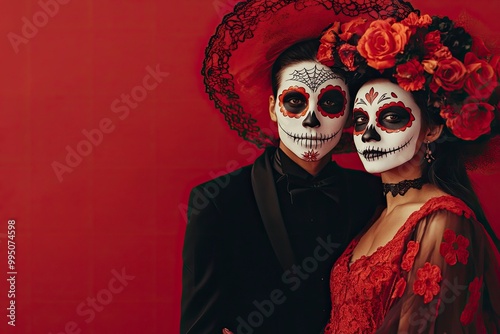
(428, 261)
(260, 241)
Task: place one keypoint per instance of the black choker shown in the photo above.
(402, 187)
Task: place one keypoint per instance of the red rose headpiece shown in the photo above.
(424, 53)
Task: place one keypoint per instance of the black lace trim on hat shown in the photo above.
(239, 25)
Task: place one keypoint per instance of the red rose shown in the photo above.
(472, 121)
(429, 65)
(410, 76)
(382, 42)
(432, 42)
(427, 281)
(325, 54)
(413, 21)
(482, 79)
(448, 112)
(357, 27)
(347, 54)
(450, 75)
(442, 53)
(330, 34)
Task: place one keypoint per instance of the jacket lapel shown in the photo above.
(269, 208)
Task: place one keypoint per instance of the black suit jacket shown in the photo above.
(239, 270)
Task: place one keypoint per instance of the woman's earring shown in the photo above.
(428, 153)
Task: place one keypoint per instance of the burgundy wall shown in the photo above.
(104, 128)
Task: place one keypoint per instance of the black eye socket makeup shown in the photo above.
(361, 119)
(332, 102)
(394, 117)
(294, 102)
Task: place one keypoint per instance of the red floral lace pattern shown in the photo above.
(409, 257)
(363, 292)
(355, 292)
(454, 248)
(427, 283)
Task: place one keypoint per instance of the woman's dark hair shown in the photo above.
(447, 171)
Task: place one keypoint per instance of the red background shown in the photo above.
(123, 205)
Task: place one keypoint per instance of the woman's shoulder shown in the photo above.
(446, 203)
(439, 208)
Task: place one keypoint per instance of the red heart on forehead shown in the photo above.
(371, 96)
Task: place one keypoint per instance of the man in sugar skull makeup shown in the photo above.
(257, 255)
(311, 110)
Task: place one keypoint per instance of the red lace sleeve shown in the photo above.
(449, 279)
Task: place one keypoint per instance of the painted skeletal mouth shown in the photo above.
(372, 153)
(309, 140)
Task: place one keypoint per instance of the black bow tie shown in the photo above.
(328, 186)
(296, 185)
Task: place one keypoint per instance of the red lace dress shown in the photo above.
(439, 274)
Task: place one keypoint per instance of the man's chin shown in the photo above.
(307, 154)
(310, 155)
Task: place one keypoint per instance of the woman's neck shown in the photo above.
(406, 172)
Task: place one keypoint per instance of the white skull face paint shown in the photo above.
(387, 123)
(311, 109)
